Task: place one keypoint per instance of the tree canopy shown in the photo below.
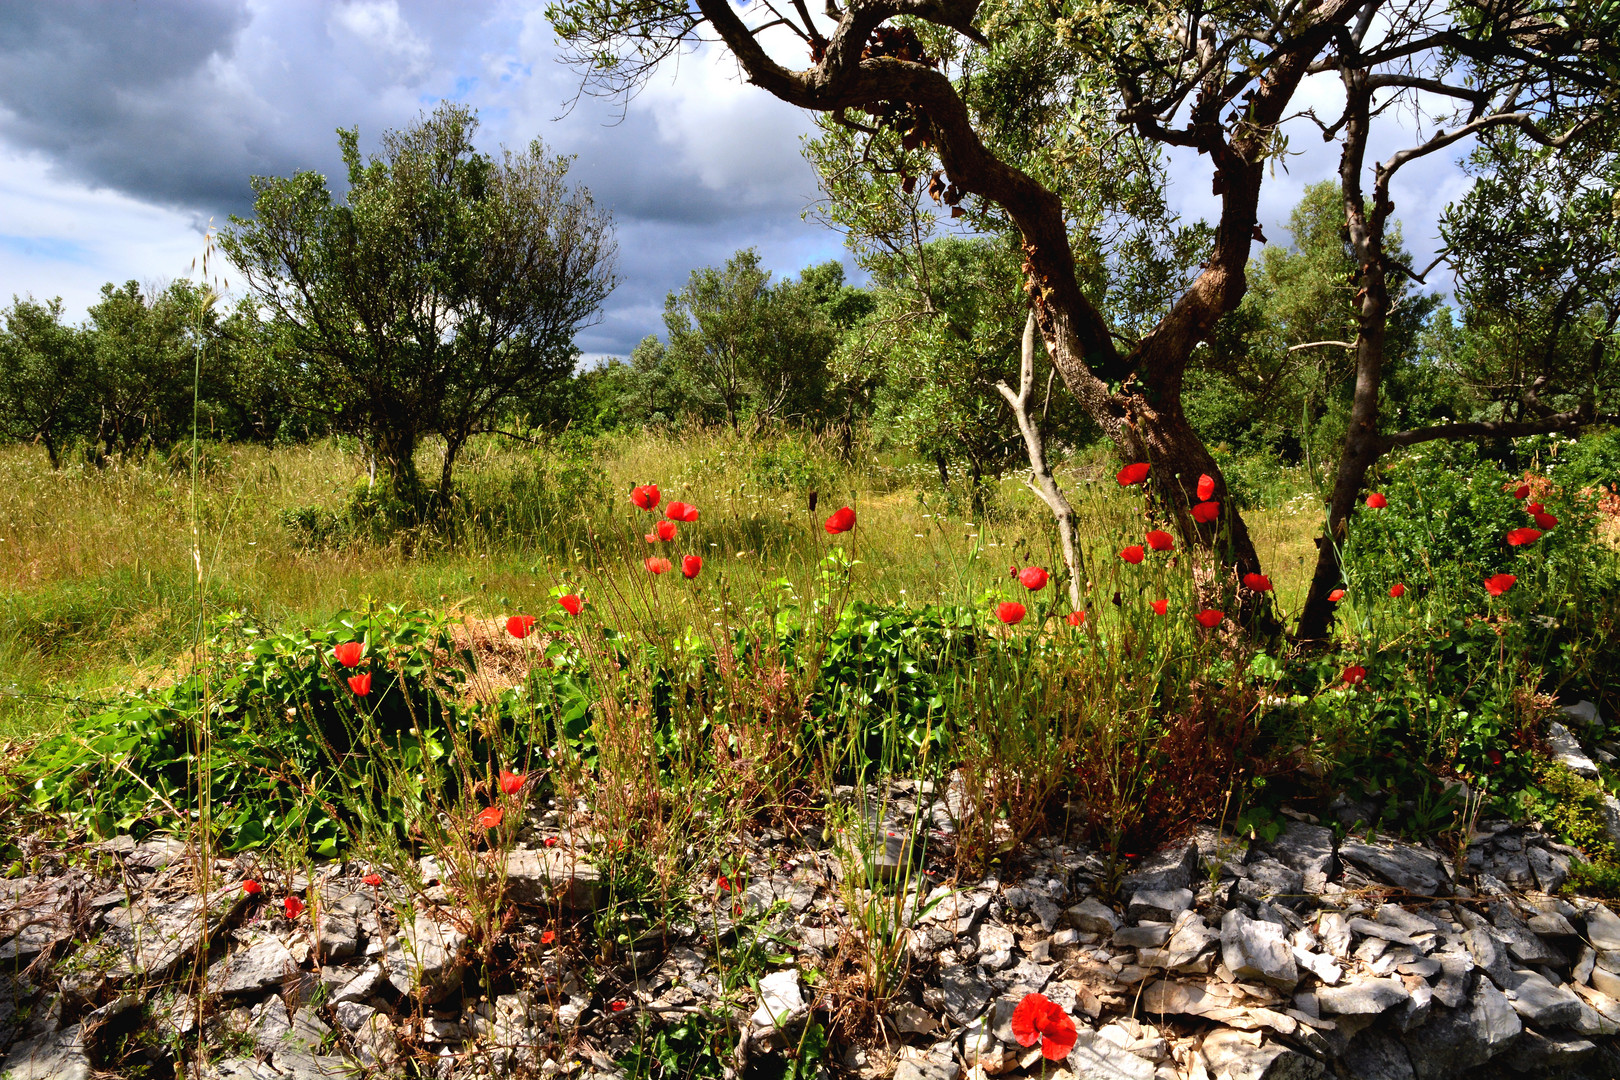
(445, 287)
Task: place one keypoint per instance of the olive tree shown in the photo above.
(446, 286)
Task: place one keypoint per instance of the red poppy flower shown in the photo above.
(1010, 612)
(1132, 474)
(1159, 540)
(666, 530)
(1397, 590)
(489, 817)
(619, 1006)
(1257, 582)
(373, 880)
(571, 603)
(1355, 674)
(511, 782)
(551, 841)
(1495, 756)
(1038, 1018)
(842, 520)
(519, 626)
(1497, 584)
(1336, 595)
(360, 684)
(646, 496)
(1546, 521)
(1520, 537)
(1033, 578)
(293, 906)
(679, 511)
(691, 566)
(1377, 501)
(1206, 487)
(1209, 618)
(1533, 508)
(348, 654)
(1522, 491)
(656, 564)
(1206, 512)
(1160, 606)
(548, 936)
(1133, 554)
(1077, 618)
(251, 887)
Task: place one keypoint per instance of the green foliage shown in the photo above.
(284, 730)
(1572, 807)
(444, 290)
(1450, 510)
(742, 348)
(44, 393)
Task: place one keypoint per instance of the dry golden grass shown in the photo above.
(99, 585)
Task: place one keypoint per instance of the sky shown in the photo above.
(128, 126)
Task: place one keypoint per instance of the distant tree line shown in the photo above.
(441, 296)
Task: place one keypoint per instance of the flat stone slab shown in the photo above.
(425, 959)
(540, 878)
(1413, 869)
(1096, 1058)
(54, 1055)
(1541, 1003)
(152, 938)
(1363, 997)
(262, 964)
(1258, 950)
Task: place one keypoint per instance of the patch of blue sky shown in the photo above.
(54, 248)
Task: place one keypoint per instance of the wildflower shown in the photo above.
(1206, 512)
(1206, 487)
(571, 603)
(1355, 674)
(842, 520)
(1398, 590)
(1159, 540)
(1546, 521)
(293, 906)
(511, 782)
(348, 653)
(1257, 582)
(1497, 584)
(665, 531)
(676, 511)
(548, 936)
(1077, 618)
(1160, 606)
(373, 880)
(251, 887)
(724, 883)
(1522, 491)
(1209, 618)
(656, 564)
(1520, 537)
(551, 841)
(1133, 554)
(691, 566)
(1033, 578)
(1377, 501)
(619, 1006)
(1038, 1018)
(1533, 508)
(1010, 612)
(1336, 595)
(519, 626)
(360, 684)
(646, 496)
(489, 817)
(1132, 474)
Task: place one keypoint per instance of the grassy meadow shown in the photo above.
(98, 566)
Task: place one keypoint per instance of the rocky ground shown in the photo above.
(1297, 957)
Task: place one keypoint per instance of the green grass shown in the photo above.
(97, 584)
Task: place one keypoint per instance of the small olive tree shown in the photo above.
(446, 286)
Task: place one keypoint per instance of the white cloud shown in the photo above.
(379, 24)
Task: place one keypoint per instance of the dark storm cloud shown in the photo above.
(177, 104)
